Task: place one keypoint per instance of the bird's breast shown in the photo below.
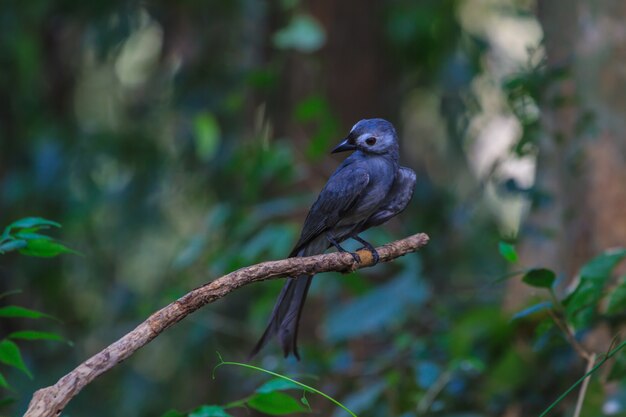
(381, 176)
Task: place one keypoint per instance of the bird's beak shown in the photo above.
(346, 145)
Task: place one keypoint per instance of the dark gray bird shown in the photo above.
(366, 190)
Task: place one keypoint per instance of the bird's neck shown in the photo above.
(390, 158)
(394, 153)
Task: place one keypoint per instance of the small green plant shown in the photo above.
(268, 398)
(9, 351)
(595, 299)
(25, 236)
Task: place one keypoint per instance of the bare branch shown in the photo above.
(50, 401)
(591, 360)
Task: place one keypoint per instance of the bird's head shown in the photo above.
(371, 136)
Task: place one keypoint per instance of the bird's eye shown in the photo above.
(371, 141)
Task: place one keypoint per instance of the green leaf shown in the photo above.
(277, 384)
(602, 265)
(32, 222)
(276, 403)
(508, 251)
(12, 245)
(540, 278)
(17, 311)
(617, 298)
(582, 304)
(35, 335)
(303, 34)
(209, 411)
(532, 310)
(207, 135)
(3, 382)
(27, 235)
(44, 248)
(10, 355)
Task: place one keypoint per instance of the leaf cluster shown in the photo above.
(25, 236)
(595, 299)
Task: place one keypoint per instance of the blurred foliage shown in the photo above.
(177, 141)
(586, 308)
(25, 236)
(267, 399)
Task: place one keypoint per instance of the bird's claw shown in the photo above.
(373, 251)
(375, 256)
(356, 257)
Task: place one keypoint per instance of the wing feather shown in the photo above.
(337, 198)
(397, 199)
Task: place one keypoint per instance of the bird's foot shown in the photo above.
(369, 247)
(336, 244)
(375, 255)
(356, 257)
(373, 251)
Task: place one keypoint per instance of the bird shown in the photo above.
(367, 189)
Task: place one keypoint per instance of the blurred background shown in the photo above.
(178, 141)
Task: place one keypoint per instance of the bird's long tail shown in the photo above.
(285, 317)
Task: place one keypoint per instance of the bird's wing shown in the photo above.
(396, 200)
(337, 197)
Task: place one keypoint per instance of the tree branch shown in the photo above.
(50, 401)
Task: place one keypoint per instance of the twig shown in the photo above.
(429, 398)
(50, 401)
(583, 388)
(569, 335)
(557, 317)
(597, 366)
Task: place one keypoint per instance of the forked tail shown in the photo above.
(285, 317)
